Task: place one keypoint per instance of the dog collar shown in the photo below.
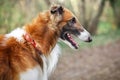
(30, 40)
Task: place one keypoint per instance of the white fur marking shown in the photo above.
(32, 74)
(17, 33)
(84, 35)
(50, 61)
(45, 76)
(53, 59)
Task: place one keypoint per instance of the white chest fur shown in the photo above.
(32, 74)
(53, 59)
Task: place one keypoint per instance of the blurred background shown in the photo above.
(99, 60)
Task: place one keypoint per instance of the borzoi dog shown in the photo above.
(31, 53)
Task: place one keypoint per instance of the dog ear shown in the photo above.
(56, 9)
(56, 12)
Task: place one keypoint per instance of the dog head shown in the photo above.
(69, 25)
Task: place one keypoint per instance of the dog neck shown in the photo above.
(43, 32)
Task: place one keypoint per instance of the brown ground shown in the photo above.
(98, 63)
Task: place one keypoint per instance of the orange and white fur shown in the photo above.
(31, 52)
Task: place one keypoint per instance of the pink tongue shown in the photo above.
(71, 40)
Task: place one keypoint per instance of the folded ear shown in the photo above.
(56, 13)
(56, 9)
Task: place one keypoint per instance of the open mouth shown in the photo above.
(68, 37)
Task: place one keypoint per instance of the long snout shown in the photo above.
(85, 36)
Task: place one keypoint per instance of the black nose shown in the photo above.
(89, 39)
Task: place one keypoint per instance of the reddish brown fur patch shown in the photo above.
(43, 32)
(15, 58)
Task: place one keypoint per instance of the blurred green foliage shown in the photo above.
(9, 16)
(16, 13)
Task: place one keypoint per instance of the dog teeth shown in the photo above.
(68, 35)
(73, 42)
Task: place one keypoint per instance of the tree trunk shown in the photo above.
(48, 2)
(115, 4)
(83, 14)
(91, 22)
(92, 26)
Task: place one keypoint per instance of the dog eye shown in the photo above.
(73, 20)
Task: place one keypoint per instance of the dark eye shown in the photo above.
(73, 20)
